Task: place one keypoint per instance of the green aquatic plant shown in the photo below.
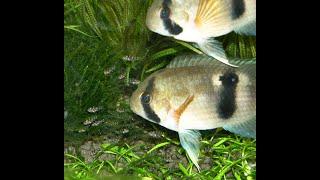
(240, 46)
(71, 8)
(231, 157)
(121, 26)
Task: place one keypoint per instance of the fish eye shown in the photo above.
(165, 13)
(145, 98)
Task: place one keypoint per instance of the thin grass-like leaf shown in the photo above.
(221, 142)
(227, 168)
(73, 8)
(99, 167)
(163, 53)
(183, 169)
(189, 46)
(158, 146)
(74, 28)
(111, 165)
(159, 66)
(170, 140)
(74, 157)
(236, 175)
(88, 13)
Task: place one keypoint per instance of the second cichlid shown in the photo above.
(200, 21)
(197, 92)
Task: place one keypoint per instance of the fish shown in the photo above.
(197, 92)
(200, 21)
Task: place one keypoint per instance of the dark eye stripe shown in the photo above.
(166, 2)
(146, 106)
(226, 105)
(172, 27)
(145, 98)
(165, 13)
(169, 25)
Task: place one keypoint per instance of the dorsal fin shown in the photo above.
(204, 60)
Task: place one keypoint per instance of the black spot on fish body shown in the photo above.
(229, 79)
(238, 8)
(226, 105)
(145, 100)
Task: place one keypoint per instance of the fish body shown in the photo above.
(197, 92)
(200, 21)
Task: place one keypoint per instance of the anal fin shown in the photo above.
(190, 141)
(215, 49)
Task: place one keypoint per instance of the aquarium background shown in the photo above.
(107, 51)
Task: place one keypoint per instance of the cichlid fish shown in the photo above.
(197, 92)
(199, 21)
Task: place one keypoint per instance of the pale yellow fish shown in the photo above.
(197, 92)
(199, 21)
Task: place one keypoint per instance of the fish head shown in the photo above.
(167, 17)
(149, 101)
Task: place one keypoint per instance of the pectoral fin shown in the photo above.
(214, 48)
(190, 141)
(176, 113)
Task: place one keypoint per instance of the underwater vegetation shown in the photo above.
(108, 50)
